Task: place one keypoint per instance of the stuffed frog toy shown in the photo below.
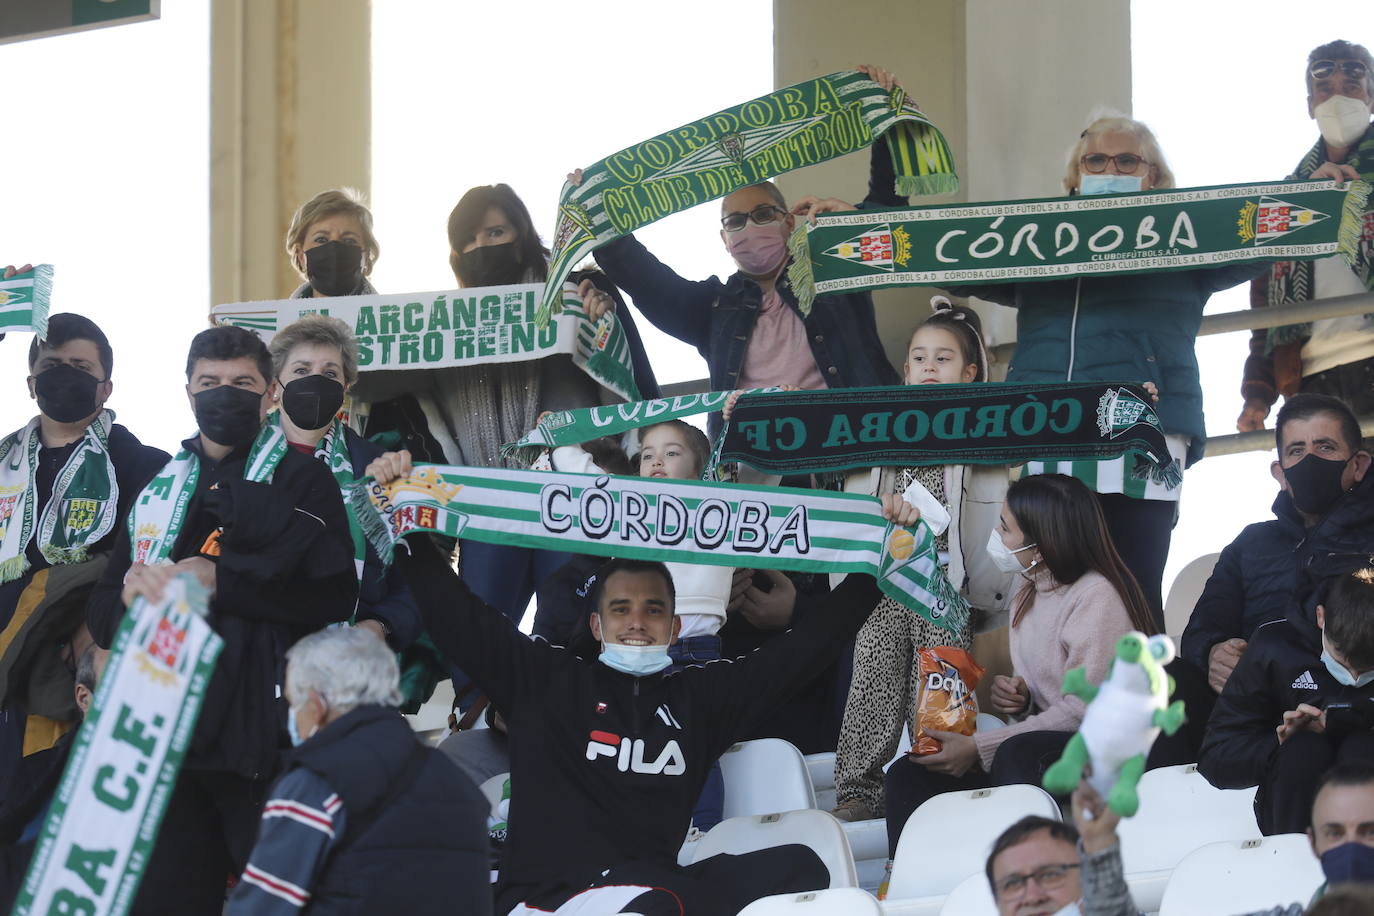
(1125, 714)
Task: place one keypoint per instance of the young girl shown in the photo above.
(946, 349)
(1077, 599)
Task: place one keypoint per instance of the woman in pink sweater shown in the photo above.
(1077, 599)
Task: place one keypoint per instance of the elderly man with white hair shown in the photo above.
(365, 819)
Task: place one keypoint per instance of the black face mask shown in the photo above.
(65, 393)
(1315, 483)
(335, 268)
(311, 401)
(229, 416)
(491, 265)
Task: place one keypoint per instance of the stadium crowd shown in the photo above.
(303, 788)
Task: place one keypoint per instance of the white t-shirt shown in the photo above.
(1337, 341)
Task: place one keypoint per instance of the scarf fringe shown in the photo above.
(373, 526)
(1352, 221)
(42, 297)
(1168, 474)
(13, 568)
(799, 273)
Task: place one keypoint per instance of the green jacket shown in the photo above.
(1131, 328)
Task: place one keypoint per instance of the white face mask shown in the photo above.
(636, 660)
(1003, 557)
(1341, 673)
(1342, 120)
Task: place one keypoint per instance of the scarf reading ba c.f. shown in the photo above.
(683, 521)
(156, 517)
(1029, 240)
(103, 822)
(80, 511)
(800, 432)
(25, 299)
(801, 125)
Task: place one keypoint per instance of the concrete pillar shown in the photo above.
(290, 115)
(1010, 83)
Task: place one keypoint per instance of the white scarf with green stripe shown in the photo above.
(681, 521)
(156, 517)
(80, 511)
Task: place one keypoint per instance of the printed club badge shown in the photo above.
(872, 248)
(1272, 218)
(1119, 410)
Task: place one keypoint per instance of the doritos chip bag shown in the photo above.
(944, 696)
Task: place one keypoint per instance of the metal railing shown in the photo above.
(1223, 323)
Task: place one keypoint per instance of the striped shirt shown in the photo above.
(1114, 474)
(300, 824)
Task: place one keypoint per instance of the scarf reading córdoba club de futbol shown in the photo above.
(801, 125)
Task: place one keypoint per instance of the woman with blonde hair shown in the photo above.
(331, 245)
(1138, 327)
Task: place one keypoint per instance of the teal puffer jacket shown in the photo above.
(1134, 328)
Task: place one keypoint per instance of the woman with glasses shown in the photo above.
(1139, 328)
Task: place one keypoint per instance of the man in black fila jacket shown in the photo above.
(608, 757)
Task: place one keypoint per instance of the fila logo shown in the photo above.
(665, 715)
(1305, 681)
(629, 754)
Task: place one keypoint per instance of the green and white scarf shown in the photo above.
(103, 822)
(1027, 240)
(582, 424)
(1295, 281)
(156, 517)
(679, 521)
(801, 125)
(80, 511)
(812, 432)
(459, 327)
(25, 299)
(333, 451)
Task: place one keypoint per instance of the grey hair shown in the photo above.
(85, 668)
(1108, 121)
(347, 667)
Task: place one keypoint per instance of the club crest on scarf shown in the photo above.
(160, 640)
(7, 504)
(397, 501)
(878, 247)
(144, 538)
(1273, 218)
(1119, 411)
(79, 515)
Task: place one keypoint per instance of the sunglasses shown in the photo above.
(1321, 69)
(762, 215)
(1126, 163)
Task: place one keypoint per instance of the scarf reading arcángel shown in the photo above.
(156, 517)
(1295, 281)
(801, 125)
(796, 432)
(1027, 240)
(24, 301)
(683, 521)
(80, 511)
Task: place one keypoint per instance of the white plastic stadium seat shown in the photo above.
(822, 770)
(1243, 877)
(1184, 593)
(1179, 811)
(839, 901)
(948, 838)
(817, 829)
(987, 722)
(972, 897)
(765, 776)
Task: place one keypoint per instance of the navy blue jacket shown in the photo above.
(382, 594)
(718, 318)
(415, 837)
(1274, 567)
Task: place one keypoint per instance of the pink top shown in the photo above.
(779, 353)
(1070, 626)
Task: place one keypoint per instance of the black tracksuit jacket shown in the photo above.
(606, 767)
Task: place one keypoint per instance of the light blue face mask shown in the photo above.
(1340, 672)
(292, 729)
(635, 660)
(1108, 184)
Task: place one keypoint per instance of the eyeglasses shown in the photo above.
(1047, 876)
(1321, 69)
(1126, 163)
(762, 215)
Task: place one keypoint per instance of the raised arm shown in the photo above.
(675, 306)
